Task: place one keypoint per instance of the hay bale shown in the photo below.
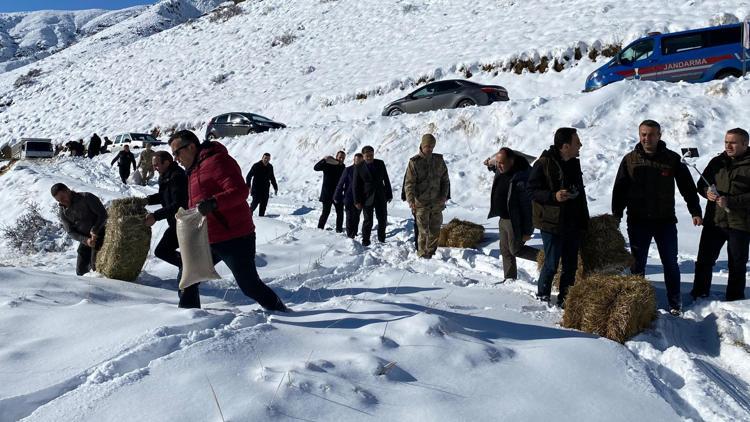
(613, 306)
(603, 247)
(126, 241)
(460, 234)
(602, 250)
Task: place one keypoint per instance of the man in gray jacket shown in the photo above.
(83, 216)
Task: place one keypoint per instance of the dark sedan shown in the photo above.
(453, 93)
(237, 124)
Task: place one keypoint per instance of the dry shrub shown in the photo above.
(224, 13)
(126, 241)
(27, 79)
(283, 40)
(460, 234)
(32, 233)
(613, 306)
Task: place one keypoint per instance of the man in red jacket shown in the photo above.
(216, 187)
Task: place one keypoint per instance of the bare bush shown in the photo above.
(27, 79)
(222, 14)
(221, 78)
(283, 40)
(32, 233)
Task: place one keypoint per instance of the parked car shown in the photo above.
(239, 123)
(135, 140)
(453, 93)
(697, 55)
(33, 148)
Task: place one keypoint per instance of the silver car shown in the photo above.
(453, 93)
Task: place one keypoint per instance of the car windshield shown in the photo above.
(637, 51)
(143, 137)
(38, 146)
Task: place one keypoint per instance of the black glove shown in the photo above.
(208, 206)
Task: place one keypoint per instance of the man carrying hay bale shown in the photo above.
(84, 218)
(372, 193)
(645, 186)
(510, 201)
(217, 189)
(727, 218)
(172, 196)
(426, 186)
(559, 210)
(126, 242)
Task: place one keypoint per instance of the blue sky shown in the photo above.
(27, 5)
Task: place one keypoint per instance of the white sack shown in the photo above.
(192, 236)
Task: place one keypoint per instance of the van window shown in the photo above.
(637, 51)
(723, 36)
(38, 146)
(680, 43)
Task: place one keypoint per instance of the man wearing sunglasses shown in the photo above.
(216, 187)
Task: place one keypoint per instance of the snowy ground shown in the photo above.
(464, 347)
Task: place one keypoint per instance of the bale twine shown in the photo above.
(460, 234)
(613, 306)
(127, 240)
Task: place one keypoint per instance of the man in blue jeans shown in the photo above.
(645, 185)
(559, 211)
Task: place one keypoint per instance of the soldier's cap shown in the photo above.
(427, 139)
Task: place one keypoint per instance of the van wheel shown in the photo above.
(725, 73)
(466, 103)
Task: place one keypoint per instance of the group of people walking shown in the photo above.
(550, 196)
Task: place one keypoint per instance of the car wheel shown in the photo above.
(395, 111)
(466, 103)
(211, 137)
(727, 73)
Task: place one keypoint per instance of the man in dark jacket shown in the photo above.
(84, 218)
(95, 145)
(76, 148)
(559, 211)
(259, 179)
(345, 195)
(511, 202)
(727, 218)
(645, 186)
(372, 193)
(172, 196)
(332, 169)
(216, 188)
(124, 160)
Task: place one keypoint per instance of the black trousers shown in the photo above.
(327, 211)
(124, 174)
(86, 260)
(239, 255)
(352, 220)
(381, 213)
(712, 240)
(262, 200)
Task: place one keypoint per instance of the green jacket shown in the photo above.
(144, 160)
(426, 182)
(732, 179)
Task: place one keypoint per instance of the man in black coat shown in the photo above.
(95, 145)
(645, 185)
(345, 195)
(172, 195)
(511, 202)
(332, 169)
(83, 217)
(259, 179)
(559, 211)
(372, 193)
(124, 160)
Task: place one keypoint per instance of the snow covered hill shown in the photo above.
(30, 36)
(465, 347)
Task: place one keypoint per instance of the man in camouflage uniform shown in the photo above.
(145, 164)
(427, 185)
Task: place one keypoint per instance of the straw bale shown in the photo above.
(603, 247)
(460, 234)
(126, 241)
(613, 306)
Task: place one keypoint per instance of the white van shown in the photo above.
(33, 148)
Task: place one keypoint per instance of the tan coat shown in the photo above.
(426, 183)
